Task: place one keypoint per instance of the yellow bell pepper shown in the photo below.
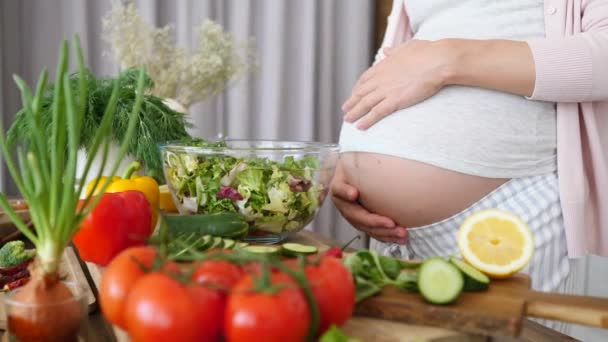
(147, 185)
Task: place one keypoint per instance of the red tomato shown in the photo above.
(209, 306)
(269, 317)
(118, 279)
(252, 268)
(334, 291)
(160, 308)
(220, 273)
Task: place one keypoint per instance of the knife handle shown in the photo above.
(591, 311)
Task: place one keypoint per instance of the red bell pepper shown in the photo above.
(120, 220)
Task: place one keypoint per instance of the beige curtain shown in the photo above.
(309, 54)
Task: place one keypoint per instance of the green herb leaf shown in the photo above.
(372, 272)
(390, 266)
(407, 280)
(404, 264)
(334, 334)
(365, 288)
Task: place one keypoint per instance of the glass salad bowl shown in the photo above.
(277, 186)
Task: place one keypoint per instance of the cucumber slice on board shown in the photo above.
(439, 281)
(229, 243)
(295, 249)
(261, 249)
(474, 280)
(218, 242)
(240, 245)
(206, 243)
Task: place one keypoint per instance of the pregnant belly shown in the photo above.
(410, 192)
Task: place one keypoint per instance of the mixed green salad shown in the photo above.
(273, 196)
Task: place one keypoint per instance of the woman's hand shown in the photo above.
(410, 73)
(414, 71)
(379, 227)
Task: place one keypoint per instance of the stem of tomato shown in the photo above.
(263, 283)
(141, 265)
(350, 242)
(300, 278)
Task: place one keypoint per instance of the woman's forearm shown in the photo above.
(503, 65)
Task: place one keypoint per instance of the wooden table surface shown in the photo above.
(365, 329)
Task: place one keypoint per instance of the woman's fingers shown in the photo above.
(359, 216)
(344, 191)
(379, 227)
(350, 103)
(380, 110)
(396, 235)
(358, 95)
(364, 106)
(410, 72)
(360, 89)
(367, 75)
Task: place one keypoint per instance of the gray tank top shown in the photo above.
(470, 130)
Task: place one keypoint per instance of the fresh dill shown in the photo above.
(156, 124)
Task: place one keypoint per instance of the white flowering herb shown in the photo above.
(186, 75)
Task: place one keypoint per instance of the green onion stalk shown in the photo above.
(45, 174)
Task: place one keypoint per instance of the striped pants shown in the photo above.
(536, 200)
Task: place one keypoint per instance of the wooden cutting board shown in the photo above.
(501, 310)
(377, 330)
(70, 267)
(498, 311)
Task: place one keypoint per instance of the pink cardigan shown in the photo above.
(572, 70)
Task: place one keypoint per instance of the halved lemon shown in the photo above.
(496, 242)
(165, 200)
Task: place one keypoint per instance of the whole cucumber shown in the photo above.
(227, 225)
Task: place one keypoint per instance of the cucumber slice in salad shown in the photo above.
(474, 280)
(261, 249)
(295, 249)
(439, 281)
